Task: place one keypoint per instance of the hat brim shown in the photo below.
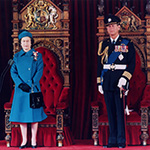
(118, 23)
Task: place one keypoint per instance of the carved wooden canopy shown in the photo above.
(49, 26)
(135, 29)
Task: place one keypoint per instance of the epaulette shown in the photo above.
(125, 41)
(107, 40)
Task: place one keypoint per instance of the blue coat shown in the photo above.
(26, 70)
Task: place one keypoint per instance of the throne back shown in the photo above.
(52, 41)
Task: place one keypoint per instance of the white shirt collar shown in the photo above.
(114, 39)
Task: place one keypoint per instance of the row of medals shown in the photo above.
(121, 49)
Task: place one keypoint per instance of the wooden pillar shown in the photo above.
(15, 22)
(66, 50)
(59, 126)
(101, 28)
(144, 125)
(95, 124)
(147, 33)
(7, 127)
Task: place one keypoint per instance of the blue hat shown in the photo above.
(24, 34)
(111, 19)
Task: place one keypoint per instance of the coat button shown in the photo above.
(28, 68)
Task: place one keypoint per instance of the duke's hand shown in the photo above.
(24, 87)
(122, 82)
(100, 89)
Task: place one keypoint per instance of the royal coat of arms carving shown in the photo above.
(129, 21)
(41, 15)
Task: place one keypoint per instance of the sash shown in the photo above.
(112, 58)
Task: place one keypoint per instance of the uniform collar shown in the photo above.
(114, 39)
(119, 40)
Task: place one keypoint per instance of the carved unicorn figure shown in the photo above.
(52, 16)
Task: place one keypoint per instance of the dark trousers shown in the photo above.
(115, 110)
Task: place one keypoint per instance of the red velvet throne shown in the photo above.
(138, 100)
(52, 41)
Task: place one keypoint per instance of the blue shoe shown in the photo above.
(35, 146)
(23, 146)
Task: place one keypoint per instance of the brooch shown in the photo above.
(120, 57)
(35, 56)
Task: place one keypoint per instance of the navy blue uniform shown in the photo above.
(110, 80)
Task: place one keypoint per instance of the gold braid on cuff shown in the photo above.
(127, 74)
(98, 80)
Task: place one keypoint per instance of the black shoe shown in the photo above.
(121, 145)
(35, 146)
(23, 146)
(110, 145)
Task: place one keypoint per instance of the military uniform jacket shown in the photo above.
(126, 57)
(26, 70)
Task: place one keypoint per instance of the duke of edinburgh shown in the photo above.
(116, 64)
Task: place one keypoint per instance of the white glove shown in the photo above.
(100, 89)
(127, 110)
(122, 82)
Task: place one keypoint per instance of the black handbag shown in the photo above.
(36, 99)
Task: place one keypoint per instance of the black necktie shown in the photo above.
(112, 47)
(113, 42)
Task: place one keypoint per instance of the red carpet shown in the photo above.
(79, 145)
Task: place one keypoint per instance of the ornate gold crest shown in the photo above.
(129, 21)
(41, 15)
